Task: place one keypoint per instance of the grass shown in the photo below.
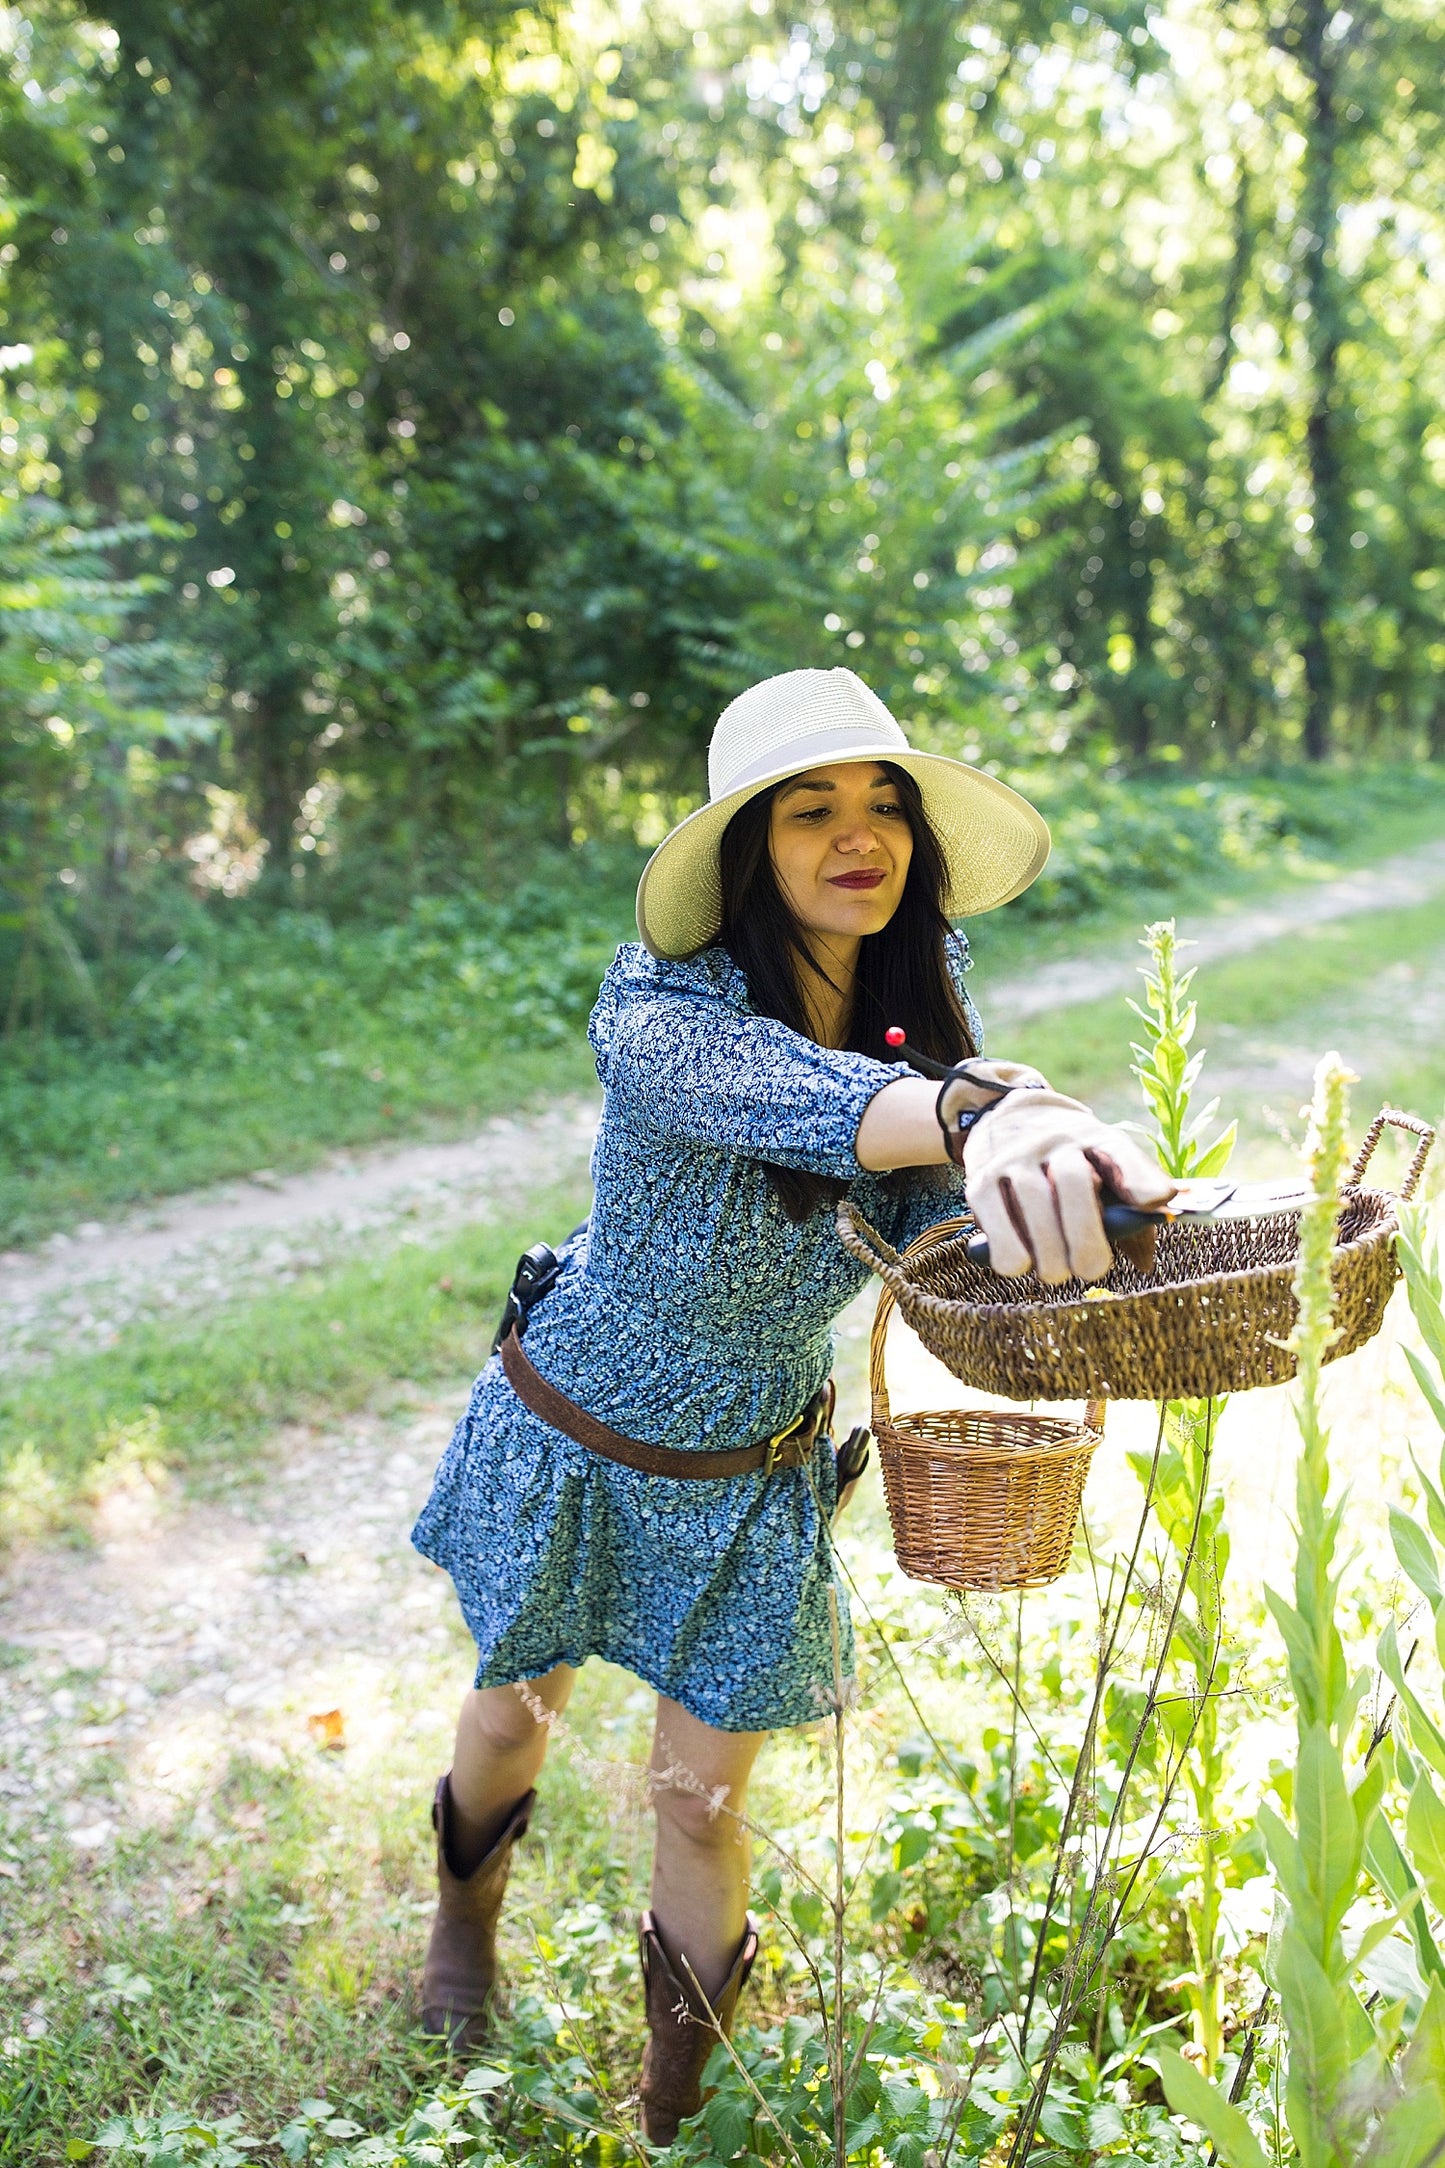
(200, 1399)
(271, 1041)
(264, 1948)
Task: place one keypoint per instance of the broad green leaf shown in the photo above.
(1367, 1794)
(1425, 1838)
(1427, 1385)
(1290, 1870)
(1190, 2093)
(1217, 1158)
(1386, 1861)
(806, 1907)
(1427, 2049)
(1318, 2039)
(1434, 1503)
(884, 1895)
(1327, 1831)
(1416, 1554)
(1425, 1733)
(916, 1843)
(1061, 2121)
(1300, 1648)
(1412, 2132)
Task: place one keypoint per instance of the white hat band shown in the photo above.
(815, 751)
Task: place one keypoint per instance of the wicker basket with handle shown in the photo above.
(978, 1498)
(1214, 1315)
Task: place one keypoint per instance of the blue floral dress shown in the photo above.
(693, 1313)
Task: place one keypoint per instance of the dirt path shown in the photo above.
(191, 1253)
(186, 1634)
(1394, 884)
(81, 1291)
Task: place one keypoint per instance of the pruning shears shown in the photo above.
(1198, 1204)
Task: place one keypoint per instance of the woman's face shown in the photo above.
(841, 845)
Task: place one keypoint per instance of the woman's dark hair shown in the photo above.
(903, 975)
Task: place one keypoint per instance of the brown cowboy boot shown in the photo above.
(461, 1958)
(680, 2033)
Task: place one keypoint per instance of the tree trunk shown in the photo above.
(1240, 260)
(275, 748)
(1318, 56)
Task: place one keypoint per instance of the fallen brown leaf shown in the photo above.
(328, 1729)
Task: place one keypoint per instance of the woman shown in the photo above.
(650, 1480)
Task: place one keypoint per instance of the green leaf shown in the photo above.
(1191, 2094)
(1061, 2121)
(1412, 2133)
(1425, 1733)
(1426, 2058)
(884, 1895)
(1434, 1503)
(1416, 1554)
(1288, 1863)
(1300, 1648)
(1318, 2039)
(806, 1907)
(1218, 1156)
(1425, 1838)
(1386, 1861)
(1326, 1828)
(78, 2149)
(916, 1843)
(1427, 1385)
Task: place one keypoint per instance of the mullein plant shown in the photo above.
(1362, 2083)
(1412, 1874)
(1188, 1510)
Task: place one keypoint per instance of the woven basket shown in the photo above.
(978, 1499)
(1212, 1317)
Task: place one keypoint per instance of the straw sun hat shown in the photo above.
(994, 843)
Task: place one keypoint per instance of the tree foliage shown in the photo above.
(514, 386)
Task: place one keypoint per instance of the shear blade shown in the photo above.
(1220, 1200)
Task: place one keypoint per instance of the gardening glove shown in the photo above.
(1036, 1164)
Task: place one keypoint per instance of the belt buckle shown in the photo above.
(777, 1444)
(807, 1425)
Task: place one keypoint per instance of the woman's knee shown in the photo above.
(710, 1821)
(506, 1720)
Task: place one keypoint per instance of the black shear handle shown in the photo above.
(1120, 1221)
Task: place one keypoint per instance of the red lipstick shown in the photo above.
(867, 877)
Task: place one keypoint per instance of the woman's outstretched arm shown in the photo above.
(1034, 1167)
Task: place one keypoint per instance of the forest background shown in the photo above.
(418, 421)
(415, 424)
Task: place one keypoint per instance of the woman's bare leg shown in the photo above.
(497, 1757)
(700, 1870)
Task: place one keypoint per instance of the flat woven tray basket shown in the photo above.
(1210, 1318)
(978, 1498)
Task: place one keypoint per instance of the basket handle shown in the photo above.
(886, 1262)
(893, 1278)
(1393, 1118)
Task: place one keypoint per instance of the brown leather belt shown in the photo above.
(790, 1448)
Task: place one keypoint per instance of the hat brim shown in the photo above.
(994, 844)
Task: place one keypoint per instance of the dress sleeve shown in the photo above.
(697, 1072)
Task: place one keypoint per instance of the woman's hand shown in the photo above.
(1035, 1167)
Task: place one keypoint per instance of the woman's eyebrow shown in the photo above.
(802, 782)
